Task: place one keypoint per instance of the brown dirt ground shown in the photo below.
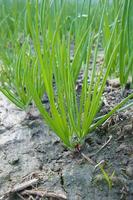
(30, 150)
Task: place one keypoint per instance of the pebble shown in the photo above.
(13, 161)
(114, 83)
(122, 147)
(128, 128)
(129, 171)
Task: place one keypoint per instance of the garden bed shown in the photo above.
(29, 151)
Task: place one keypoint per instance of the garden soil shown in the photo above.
(34, 164)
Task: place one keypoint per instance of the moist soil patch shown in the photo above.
(30, 153)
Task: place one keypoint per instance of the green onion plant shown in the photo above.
(55, 49)
(13, 74)
(71, 116)
(121, 12)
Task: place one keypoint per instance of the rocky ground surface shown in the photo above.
(35, 165)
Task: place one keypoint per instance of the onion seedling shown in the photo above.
(71, 117)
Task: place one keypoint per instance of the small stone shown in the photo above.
(13, 161)
(121, 148)
(128, 128)
(114, 83)
(129, 171)
(2, 129)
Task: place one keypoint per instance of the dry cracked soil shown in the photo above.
(30, 151)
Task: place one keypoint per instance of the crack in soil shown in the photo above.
(30, 146)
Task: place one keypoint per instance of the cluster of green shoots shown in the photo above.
(49, 49)
(121, 12)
